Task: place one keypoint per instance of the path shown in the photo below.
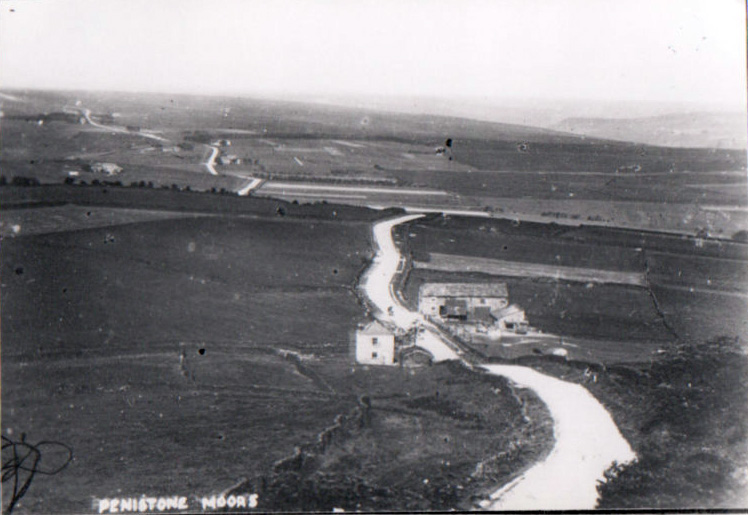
(115, 128)
(587, 440)
(587, 443)
(252, 185)
(210, 164)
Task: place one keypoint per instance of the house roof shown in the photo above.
(513, 309)
(375, 328)
(483, 314)
(464, 290)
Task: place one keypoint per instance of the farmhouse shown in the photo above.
(375, 345)
(229, 159)
(476, 307)
(106, 168)
(460, 300)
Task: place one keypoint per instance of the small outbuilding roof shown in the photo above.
(375, 328)
(510, 310)
(464, 290)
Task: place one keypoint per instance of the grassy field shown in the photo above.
(604, 313)
(291, 140)
(667, 361)
(457, 263)
(184, 356)
(189, 342)
(696, 287)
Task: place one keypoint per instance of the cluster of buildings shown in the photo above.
(472, 309)
(474, 312)
(229, 159)
(106, 168)
(376, 344)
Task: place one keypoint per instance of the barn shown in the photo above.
(462, 301)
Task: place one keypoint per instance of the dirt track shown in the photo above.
(587, 440)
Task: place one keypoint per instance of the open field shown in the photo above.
(63, 218)
(455, 263)
(667, 360)
(183, 339)
(605, 313)
(507, 170)
(696, 288)
(273, 138)
(187, 356)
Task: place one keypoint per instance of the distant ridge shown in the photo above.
(725, 130)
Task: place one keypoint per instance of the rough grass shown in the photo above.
(158, 352)
(685, 417)
(696, 286)
(434, 439)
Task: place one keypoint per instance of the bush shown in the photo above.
(25, 181)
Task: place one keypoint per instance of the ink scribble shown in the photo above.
(23, 460)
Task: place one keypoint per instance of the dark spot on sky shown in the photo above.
(19, 270)
(64, 290)
(505, 247)
(88, 213)
(448, 143)
(335, 271)
(201, 352)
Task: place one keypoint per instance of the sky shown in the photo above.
(619, 50)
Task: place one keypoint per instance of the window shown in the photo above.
(374, 355)
(375, 340)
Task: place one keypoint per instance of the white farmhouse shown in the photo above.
(106, 168)
(375, 345)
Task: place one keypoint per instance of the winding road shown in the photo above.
(377, 286)
(210, 164)
(116, 128)
(587, 441)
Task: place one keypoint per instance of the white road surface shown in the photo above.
(587, 443)
(587, 440)
(210, 164)
(286, 186)
(115, 128)
(377, 284)
(252, 185)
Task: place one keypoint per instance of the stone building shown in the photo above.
(375, 345)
